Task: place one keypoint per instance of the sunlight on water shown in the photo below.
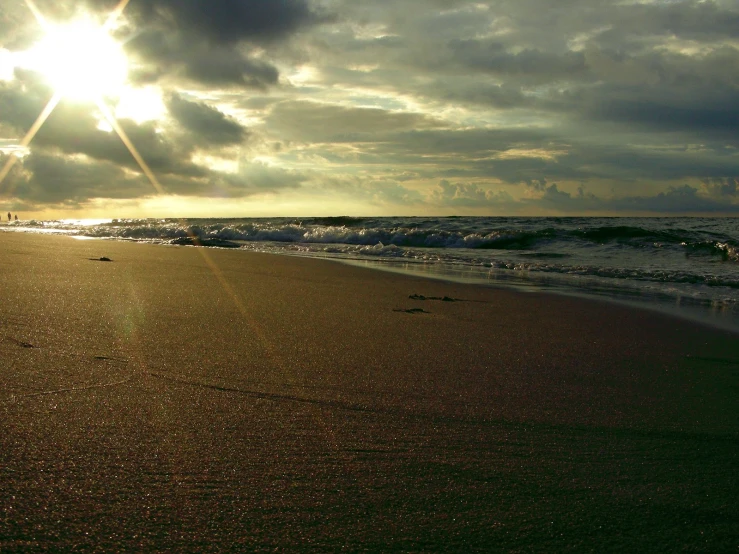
(86, 222)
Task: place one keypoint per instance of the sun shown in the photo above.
(80, 60)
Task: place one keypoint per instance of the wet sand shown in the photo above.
(187, 399)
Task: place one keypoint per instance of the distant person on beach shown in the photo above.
(8, 216)
(16, 217)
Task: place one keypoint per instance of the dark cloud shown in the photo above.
(227, 21)
(258, 177)
(46, 178)
(377, 192)
(549, 198)
(531, 64)
(73, 130)
(723, 188)
(314, 122)
(228, 67)
(180, 57)
(677, 200)
(469, 195)
(388, 191)
(718, 116)
(57, 179)
(686, 19)
(207, 125)
(206, 41)
(21, 101)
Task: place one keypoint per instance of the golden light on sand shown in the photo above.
(80, 60)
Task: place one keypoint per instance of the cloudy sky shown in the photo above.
(394, 107)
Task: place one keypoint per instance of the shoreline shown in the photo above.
(203, 400)
(697, 313)
(715, 316)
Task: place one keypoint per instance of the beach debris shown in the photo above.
(101, 259)
(111, 359)
(412, 311)
(197, 241)
(441, 298)
(20, 343)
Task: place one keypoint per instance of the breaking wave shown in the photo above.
(426, 233)
(682, 257)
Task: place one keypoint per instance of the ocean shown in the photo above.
(688, 267)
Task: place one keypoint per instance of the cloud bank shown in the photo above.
(424, 107)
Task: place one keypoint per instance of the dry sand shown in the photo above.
(188, 399)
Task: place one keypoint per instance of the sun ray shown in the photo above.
(43, 116)
(215, 270)
(115, 14)
(37, 14)
(110, 118)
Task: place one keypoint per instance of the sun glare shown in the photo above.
(80, 60)
(140, 104)
(6, 65)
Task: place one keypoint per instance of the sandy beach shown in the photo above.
(189, 399)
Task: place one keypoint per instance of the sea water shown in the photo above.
(686, 266)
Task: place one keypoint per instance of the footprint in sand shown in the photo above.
(111, 359)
